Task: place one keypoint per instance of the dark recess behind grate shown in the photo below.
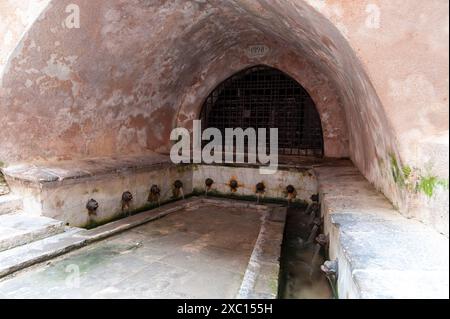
(263, 97)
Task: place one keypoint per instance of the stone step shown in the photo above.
(24, 256)
(20, 229)
(10, 204)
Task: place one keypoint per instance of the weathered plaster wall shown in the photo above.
(303, 180)
(62, 192)
(135, 69)
(405, 49)
(15, 19)
(115, 107)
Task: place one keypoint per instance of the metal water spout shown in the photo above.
(313, 207)
(178, 189)
(234, 185)
(155, 194)
(323, 240)
(311, 218)
(260, 191)
(318, 221)
(313, 234)
(315, 198)
(330, 269)
(127, 198)
(291, 194)
(312, 210)
(92, 206)
(208, 183)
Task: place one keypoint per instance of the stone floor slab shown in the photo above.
(20, 229)
(170, 257)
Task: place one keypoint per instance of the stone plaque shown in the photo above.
(257, 51)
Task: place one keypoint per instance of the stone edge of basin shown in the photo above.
(263, 264)
(69, 170)
(261, 278)
(368, 268)
(62, 171)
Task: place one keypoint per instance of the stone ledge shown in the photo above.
(9, 204)
(20, 229)
(381, 253)
(262, 275)
(60, 190)
(60, 171)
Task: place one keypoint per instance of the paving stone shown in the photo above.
(76, 169)
(215, 284)
(9, 204)
(170, 257)
(20, 229)
(403, 284)
(24, 256)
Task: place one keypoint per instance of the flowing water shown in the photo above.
(301, 277)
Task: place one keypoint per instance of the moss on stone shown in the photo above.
(407, 170)
(250, 198)
(428, 184)
(443, 183)
(406, 176)
(397, 172)
(147, 207)
(96, 223)
(196, 192)
(182, 168)
(273, 284)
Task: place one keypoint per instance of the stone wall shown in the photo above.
(303, 180)
(16, 17)
(61, 191)
(377, 70)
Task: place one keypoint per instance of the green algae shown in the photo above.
(428, 185)
(413, 179)
(250, 198)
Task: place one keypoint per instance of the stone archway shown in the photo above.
(135, 69)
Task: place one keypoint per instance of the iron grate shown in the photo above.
(263, 97)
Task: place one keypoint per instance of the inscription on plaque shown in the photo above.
(257, 51)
